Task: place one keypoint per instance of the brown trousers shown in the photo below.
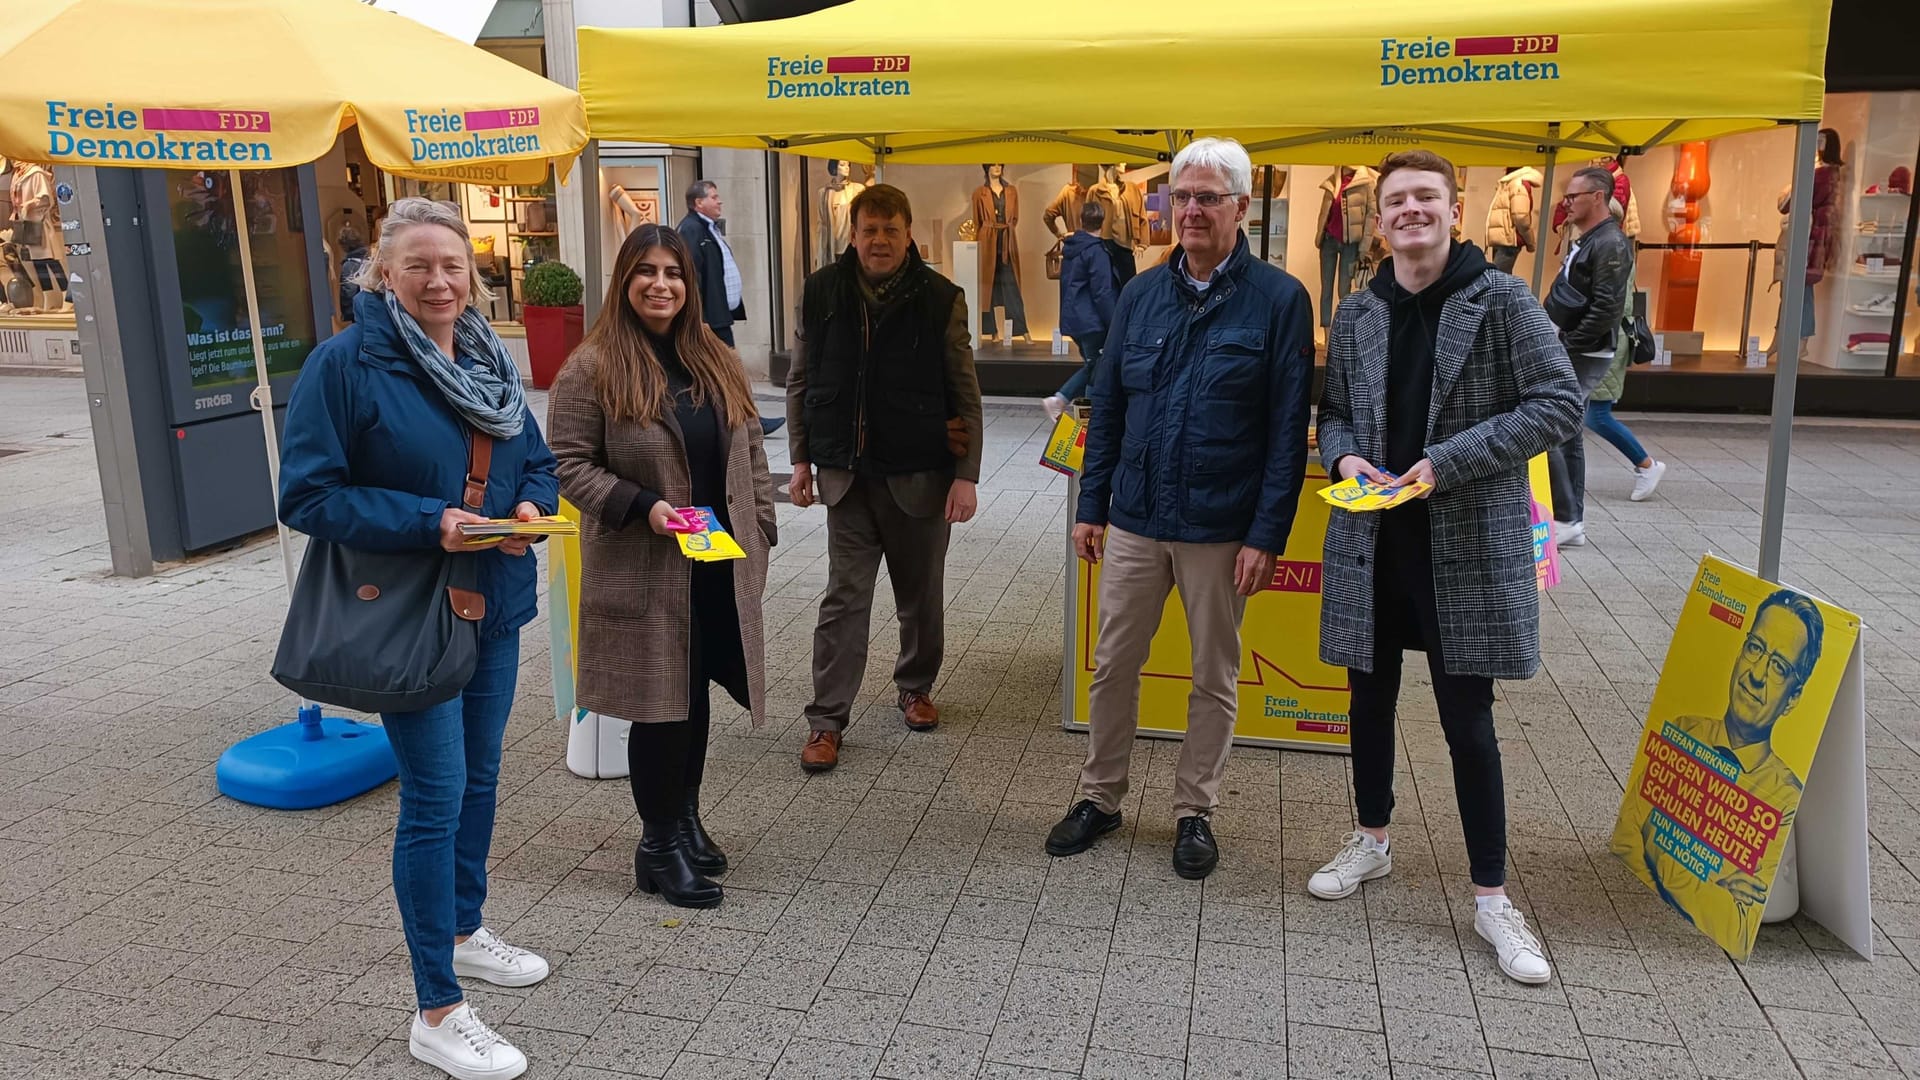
(1135, 577)
(865, 524)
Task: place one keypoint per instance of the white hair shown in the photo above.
(1224, 156)
(404, 214)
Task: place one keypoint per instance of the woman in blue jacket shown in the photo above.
(375, 457)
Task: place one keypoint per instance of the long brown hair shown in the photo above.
(630, 382)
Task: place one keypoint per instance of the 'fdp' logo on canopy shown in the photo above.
(814, 77)
(1432, 62)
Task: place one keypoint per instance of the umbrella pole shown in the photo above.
(263, 393)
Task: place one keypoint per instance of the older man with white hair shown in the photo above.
(1194, 460)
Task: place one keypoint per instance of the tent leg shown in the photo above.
(880, 159)
(591, 215)
(1266, 210)
(263, 393)
(1543, 214)
(1787, 374)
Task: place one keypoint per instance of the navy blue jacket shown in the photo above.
(372, 454)
(1086, 286)
(1200, 405)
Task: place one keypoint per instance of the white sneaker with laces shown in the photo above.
(1359, 860)
(1647, 481)
(1521, 956)
(485, 956)
(465, 1048)
(1570, 534)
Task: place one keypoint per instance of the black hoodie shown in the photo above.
(1414, 330)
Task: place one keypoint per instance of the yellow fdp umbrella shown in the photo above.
(266, 84)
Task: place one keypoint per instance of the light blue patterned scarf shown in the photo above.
(487, 395)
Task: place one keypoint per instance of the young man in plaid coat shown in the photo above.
(1445, 372)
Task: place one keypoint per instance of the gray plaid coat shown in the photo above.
(1503, 392)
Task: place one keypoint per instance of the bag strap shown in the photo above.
(479, 461)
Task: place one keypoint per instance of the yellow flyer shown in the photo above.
(1743, 699)
(1360, 494)
(1067, 446)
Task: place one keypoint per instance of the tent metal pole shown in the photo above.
(1543, 214)
(590, 218)
(1773, 512)
(1266, 210)
(263, 393)
(880, 159)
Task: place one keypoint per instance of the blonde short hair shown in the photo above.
(404, 214)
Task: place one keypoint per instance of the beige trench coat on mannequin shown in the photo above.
(994, 239)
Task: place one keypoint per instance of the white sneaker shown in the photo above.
(1647, 481)
(1570, 534)
(1521, 956)
(465, 1048)
(484, 956)
(1359, 860)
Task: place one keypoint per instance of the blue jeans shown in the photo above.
(449, 759)
(1601, 421)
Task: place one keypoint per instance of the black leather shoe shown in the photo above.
(1194, 852)
(660, 865)
(1083, 824)
(702, 852)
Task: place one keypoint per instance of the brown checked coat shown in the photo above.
(1503, 391)
(635, 585)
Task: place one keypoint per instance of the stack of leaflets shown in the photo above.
(494, 530)
(706, 541)
(1360, 494)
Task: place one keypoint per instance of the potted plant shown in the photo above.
(550, 294)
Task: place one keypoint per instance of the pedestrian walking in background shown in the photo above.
(375, 457)
(650, 414)
(1087, 293)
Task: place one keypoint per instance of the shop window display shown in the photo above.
(32, 248)
(513, 228)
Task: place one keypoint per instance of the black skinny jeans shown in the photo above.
(1405, 617)
(667, 762)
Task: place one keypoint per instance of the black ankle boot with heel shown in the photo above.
(702, 852)
(662, 864)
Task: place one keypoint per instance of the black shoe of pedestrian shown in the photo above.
(1194, 852)
(702, 852)
(1083, 824)
(771, 424)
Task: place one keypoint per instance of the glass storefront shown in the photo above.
(33, 247)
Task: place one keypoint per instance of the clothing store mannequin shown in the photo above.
(996, 210)
(1121, 225)
(1063, 214)
(31, 192)
(627, 212)
(834, 228)
(1348, 216)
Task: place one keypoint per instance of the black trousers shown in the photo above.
(666, 763)
(1406, 617)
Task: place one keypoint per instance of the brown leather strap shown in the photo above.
(479, 460)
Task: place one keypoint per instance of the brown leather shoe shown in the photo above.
(921, 713)
(822, 751)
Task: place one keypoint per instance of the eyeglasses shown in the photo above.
(1777, 666)
(1207, 199)
(1572, 195)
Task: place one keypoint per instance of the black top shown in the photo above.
(1414, 333)
(700, 427)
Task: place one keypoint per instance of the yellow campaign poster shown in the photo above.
(563, 612)
(1743, 700)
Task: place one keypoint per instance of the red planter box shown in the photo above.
(552, 332)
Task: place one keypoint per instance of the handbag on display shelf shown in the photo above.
(1055, 256)
(381, 631)
(29, 232)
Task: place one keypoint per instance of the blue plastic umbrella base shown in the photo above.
(314, 761)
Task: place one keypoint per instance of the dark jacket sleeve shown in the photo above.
(963, 391)
(1609, 267)
(317, 494)
(1289, 396)
(1100, 284)
(1108, 424)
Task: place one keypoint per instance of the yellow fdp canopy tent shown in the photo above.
(1303, 82)
(1328, 82)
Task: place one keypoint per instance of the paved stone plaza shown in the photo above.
(897, 917)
